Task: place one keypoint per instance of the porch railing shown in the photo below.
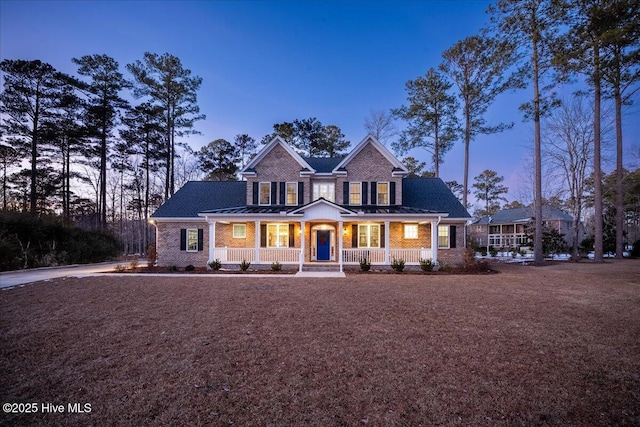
(410, 256)
(353, 256)
(267, 255)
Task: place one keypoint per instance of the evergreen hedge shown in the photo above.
(28, 241)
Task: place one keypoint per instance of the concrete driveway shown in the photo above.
(20, 277)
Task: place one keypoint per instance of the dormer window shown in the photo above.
(355, 193)
(383, 193)
(265, 193)
(326, 190)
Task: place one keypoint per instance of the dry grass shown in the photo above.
(555, 345)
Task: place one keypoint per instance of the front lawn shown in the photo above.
(554, 345)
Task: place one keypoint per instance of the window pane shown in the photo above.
(292, 193)
(239, 231)
(192, 240)
(363, 236)
(383, 193)
(374, 240)
(443, 236)
(411, 231)
(354, 193)
(265, 193)
(278, 235)
(325, 190)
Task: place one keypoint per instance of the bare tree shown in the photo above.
(568, 146)
(380, 124)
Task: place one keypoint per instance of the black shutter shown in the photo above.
(392, 193)
(365, 190)
(263, 235)
(200, 239)
(382, 236)
(292, 236)
(374, 193)
(283, 193)
(183, 239)
(354, 235)
(452, 236)
(301, 193)
(255, 193)
(345, 193)
(274, 193)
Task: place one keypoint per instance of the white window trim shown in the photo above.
(414, 226)
(360, 185)
(189, 230)
(378, 193)
(286, 193)
(260, 193)
(448, 237)
(278, 227)
(238, 236)
(368, 226)
(316, 196)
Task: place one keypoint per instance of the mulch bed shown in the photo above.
(551, 346)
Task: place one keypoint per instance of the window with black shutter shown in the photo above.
(345, 193)
(255, 193)
(392, 193)
(274, 193)
(365, 192)
(374, 193)
(283, 193)
(452, 236)
(301, 193)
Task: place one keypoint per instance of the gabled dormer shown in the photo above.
(277, 176)
(369, 175)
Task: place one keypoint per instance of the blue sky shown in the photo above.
(268, 62)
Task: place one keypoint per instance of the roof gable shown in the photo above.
(398, 168)
(250, 168)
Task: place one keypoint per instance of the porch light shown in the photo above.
(345, 231)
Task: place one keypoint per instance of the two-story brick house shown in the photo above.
(299, 210)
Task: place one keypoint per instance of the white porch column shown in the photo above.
(434, 241)
(212, 240)
(387, 231)
(302, 248)
(340, 239)
(257, 243)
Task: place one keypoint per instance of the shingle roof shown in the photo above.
(523, 214)
(419, 195)
(198, 196)
(432, 194)
(323, 164)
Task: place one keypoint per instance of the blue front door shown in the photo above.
(323, 245)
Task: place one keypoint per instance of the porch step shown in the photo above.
(321, 267)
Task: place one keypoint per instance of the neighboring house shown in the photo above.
(298, 210)
(507, 227)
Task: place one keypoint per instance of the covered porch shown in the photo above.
(322, 232)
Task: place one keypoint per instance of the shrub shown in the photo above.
(365, 265)
(483, 251)
(172, 269)
(397, 265)
(426, 264)
(215, 265)
(133, 264)
(468, 258)
(152, 255)
(493, 251)
(189, 268)
(276, 266)
(244, 265)
(28, 241)
(442, 266)
(119, 268)
(635, 250)
(514, 253)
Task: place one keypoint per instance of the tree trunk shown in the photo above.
(597, 171)
(538, 255)
(619, 184)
